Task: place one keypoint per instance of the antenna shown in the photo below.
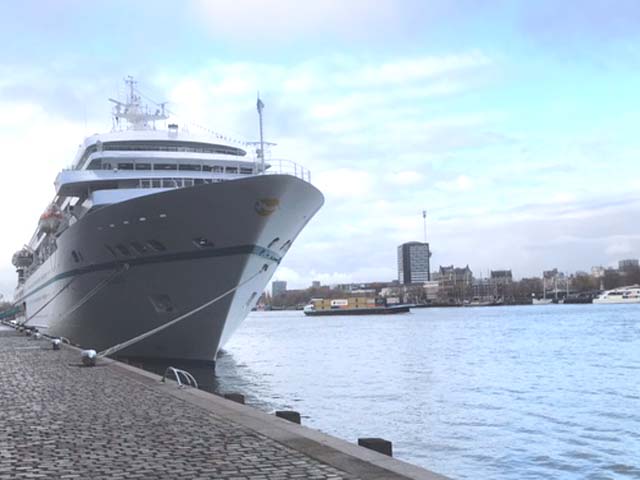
(424, 219)
(134, 112)
(260, 107)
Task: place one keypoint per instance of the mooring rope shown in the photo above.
(95, 290)
(128, 343)
(83, 300)
(50, 300)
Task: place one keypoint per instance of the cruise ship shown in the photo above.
(158, 227)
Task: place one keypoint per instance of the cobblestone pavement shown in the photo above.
(61, 420)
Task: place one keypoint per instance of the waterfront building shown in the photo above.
(597, 272)
(278, 287)
(315, 284)
(455, 283)
(483, 288)
(501, 277)
(431, 290)
(413, 263)
(628, 264)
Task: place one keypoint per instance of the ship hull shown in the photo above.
(130, 267)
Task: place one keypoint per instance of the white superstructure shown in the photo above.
(629, 294)
(151, 223)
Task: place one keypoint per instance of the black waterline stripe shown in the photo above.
(162, 258)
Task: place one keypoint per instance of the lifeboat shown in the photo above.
(22, 258)
(50, 220)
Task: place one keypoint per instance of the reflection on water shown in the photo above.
(503, 392)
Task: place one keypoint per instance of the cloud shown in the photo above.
(406, 178)
(254, 20)
(384, 138)
(461, 183)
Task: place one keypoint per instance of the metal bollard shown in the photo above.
(88, 357)
(55, 343)
(380, 445)
(235, 397)
(289, 415)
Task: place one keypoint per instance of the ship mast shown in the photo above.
(132, 110)
(260, 107)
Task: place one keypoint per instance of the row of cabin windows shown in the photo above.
(163, 146)
(97, 165)
(140, 248)
(149, 246)
(173, 182)
(172, 147)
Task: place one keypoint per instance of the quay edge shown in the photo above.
(347, 458)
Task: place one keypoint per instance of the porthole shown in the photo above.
(251, 298)
(123, 250)
(161, 303)
(163, 215)
(125, 222)
(202, 242)
(156, 245)
(286, 245)
(138, 247)
(111, 225)
(143, 219)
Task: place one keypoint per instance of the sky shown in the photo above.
(514, 124)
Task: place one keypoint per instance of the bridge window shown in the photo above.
(170, 183)
(95, 165)
(232, 169)
(143, 166)
(165, 166)
(190, 167)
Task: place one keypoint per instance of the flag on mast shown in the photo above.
(259, 105)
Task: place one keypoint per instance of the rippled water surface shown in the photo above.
(504, 392)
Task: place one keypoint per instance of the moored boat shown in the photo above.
(160, 228)
(628, 294)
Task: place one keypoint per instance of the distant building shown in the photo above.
(597, 272)
(431, 290)
(455, 283)
(413, 263)
(501, 277)
(482, 288)
(628, 265)
(315, 284)
(278, 287)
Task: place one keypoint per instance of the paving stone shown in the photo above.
(60, 420)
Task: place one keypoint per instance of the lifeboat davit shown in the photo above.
(22, 258)
(50, 220)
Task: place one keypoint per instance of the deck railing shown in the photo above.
(279, 166)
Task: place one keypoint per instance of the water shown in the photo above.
(504, 392)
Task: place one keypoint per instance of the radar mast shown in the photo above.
(133, 112)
